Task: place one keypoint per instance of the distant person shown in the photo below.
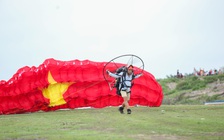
(178, 73)
(215, 71)
(195, 72)
(220, 71)
(202, 72)
(210, 72)
(181, 75)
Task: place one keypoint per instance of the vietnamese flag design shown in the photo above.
(70, 84)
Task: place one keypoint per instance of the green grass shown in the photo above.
(185, 122)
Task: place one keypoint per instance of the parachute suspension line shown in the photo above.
(91, 85)
(115, 63)
(93, 103)
(130, 59)
(141, 67)
(111, 84)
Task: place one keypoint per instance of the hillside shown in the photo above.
(193, 89)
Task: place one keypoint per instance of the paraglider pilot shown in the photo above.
(125, 77)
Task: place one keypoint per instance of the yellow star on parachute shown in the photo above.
(54, 92)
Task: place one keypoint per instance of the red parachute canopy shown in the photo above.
(70, 84)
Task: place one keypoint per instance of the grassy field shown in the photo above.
(185, 122)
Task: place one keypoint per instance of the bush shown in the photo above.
(184, 85)
(170, 92)
(193, 83)
(212, 98)
(213, 78)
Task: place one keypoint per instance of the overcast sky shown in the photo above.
(167, 34)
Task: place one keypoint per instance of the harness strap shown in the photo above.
(122, 83)
(124, 79)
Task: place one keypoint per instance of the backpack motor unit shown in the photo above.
(118, 80)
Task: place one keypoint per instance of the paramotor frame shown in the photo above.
(120, 61)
